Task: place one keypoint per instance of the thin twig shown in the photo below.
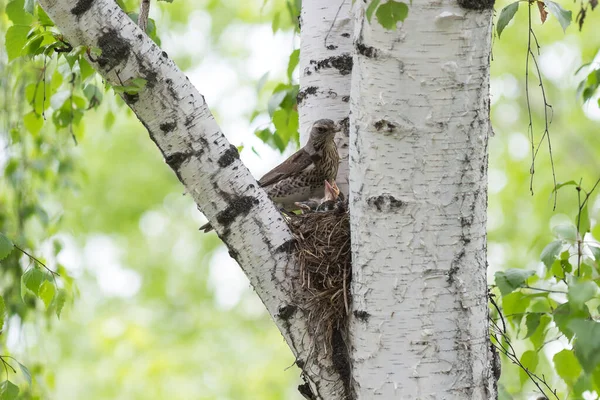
(333, 23)
(547, 118)
(52, 273)
(143, 17)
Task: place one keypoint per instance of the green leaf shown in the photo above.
(515, 303)
(560, 185)
(532, 321)
(583, 220)
(2, 313)
(261, 83)
(566, 232)
(29, 5)
(595, 252)
(275, 22)
(16, 37)
(32, 279)
(35, 96)
(16, 12)
(46, 293)
(33, 122)
(275, 101)
(506, 15)
(43, 18)
(511, 279)
(371, 9)
(6, 246)
(529, 360)
(25, 372)
(567, 366)
(8, 390)
(294, 58)
(539, 335)
(581, 292)
(564, 314)
(551, 252)
(61, 298)
(563, 16)
(86, 69)
(109, 120)
(93, 94)
(390, 13)
(587, 343)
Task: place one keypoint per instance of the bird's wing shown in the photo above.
(297, 162)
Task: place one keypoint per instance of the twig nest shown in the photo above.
(323, 255)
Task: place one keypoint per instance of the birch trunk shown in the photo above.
(325, 71)
(418, 192)
(179, 122)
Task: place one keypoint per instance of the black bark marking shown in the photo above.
(345, 124)
(454, 268)
(476, 4)
(176, 159)
(305, 93)
(233, 254)
(345, 35)
(331, 47)
(286, 312)
(385, 202)
(164, 54)
(188, 121)
(131, 98)
(384, 125)
(367, 51)
(345, 99)
(167, 127)
(149, 74)
(230, 155)
(341, 360)
(342, 63)
(240, 205)
(81, 7)
(115, 49)
(286, 247)
(306, 391)
(361, 315)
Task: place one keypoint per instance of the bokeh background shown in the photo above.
(162, 312)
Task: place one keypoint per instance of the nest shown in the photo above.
(323, 254)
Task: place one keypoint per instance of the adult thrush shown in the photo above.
(301, 176)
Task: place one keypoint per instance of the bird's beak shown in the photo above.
(338, 127)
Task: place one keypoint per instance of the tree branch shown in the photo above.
(179, 122)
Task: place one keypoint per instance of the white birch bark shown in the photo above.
(179, 122)
(418, 193)
(325, 71)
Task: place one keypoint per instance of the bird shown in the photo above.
(327, 203)
(301, 176)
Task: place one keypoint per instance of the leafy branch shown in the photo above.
(564, 18)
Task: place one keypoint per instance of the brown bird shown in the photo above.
(301, 176)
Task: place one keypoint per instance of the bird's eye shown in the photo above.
(321, 129)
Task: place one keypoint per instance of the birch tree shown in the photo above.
(417, 112)
(418, 189)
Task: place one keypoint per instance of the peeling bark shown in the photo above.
(418, 197)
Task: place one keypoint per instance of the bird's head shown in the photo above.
(323, 131)
(332, 191)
